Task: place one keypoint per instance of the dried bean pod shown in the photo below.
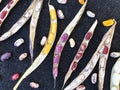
(81, 51)
(6, 10)
(19, 42)
(63, 39)
(23, 19)
(92, 63)
(33, 26)
(0, 1)
(46, 49)
(115, 76)
(5, 56)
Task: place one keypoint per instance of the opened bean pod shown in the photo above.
(46, 49)
(115, 76)
(81, 51)
(6, 10)
(93, 61)
(23, 19)
(33, 25)
(63, 39)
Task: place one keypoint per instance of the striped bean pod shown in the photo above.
(105, 48)
(46, 49)
(6, 10)
(92, 63)
(81, 51)
(115, 76)
(33, 25)
(63, 39)
(23, 19)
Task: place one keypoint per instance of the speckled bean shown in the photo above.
(19, 42)
(34, 85)
(23, 56)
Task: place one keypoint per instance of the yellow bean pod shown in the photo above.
(45, 51)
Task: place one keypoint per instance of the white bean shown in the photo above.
(43, 41)
(72, 42)
(90, 14)
(62, 1)
(81, 87)
(115, 54)
(94, 78)
(19, 42)
(34, 85)
(23, 56)
(60, 14)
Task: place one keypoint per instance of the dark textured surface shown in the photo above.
(104, 9)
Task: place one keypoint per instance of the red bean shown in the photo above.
(15, 76)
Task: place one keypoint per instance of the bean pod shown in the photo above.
(46, 49)
(6, 10)
(92, 63)
(16, 27)
(81, 51)
(63, 39)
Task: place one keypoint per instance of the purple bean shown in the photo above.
(5, 56)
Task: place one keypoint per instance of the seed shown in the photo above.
(81, 1)
(108, 22)
(90, 14)
(115, 54)
(81, 87)
(60, 14)
(5, 56)
(94, 78)
(3, 14)
(15, 76)
(62, 1)
(19, 42)
(23, 56)
(72, 42)
(34, 85)
(43, 41)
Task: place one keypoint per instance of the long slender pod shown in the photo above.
(81, 51)
(16, 27)
(33, 25)
(91, 64)
(0, 1)
(104, 52)
(115, 76)
(63, 39)
(45, 51)
(6, 10)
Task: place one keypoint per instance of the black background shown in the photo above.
(104, 9)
